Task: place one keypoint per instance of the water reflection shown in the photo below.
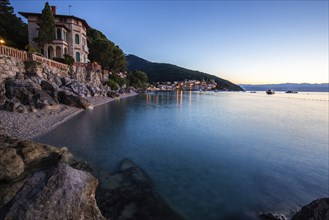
(212, 155)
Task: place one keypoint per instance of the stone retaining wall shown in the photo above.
(10, 66)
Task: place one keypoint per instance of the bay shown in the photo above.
(225, 155)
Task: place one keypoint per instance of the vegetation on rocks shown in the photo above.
(136, 79)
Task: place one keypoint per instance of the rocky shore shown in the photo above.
(39, 181)
(31, 124)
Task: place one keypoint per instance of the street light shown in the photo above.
(2, 41)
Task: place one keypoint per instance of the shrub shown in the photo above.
(113, 84)
(59, 59)
(69, 60)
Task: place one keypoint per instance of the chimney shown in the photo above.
(53, 9)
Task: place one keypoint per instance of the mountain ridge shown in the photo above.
(162, 72)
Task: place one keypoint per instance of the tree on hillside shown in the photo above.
(47, 26)
(137, 79)
(105, 52)
(12, 29)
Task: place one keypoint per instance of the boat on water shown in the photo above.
(291, 91)
(252, 91)
(270, 92)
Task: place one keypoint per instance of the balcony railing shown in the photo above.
(13, 52)
(92, 66)
(48, 61)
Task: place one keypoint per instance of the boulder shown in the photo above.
(19, 75)
(79, 89)
(51, 89)
(43, 99)
(270, 216)
(131, 195)
(57, 80)
(20, 158)
(66, 81)
(113, 94)
(23, 90)
(13, 105)
(11, 164)
(3, 97)
(73, 100)
(92, 90)
(58, 193)
(38, 154)
(28, 93)
(316, 210)
(9, 190)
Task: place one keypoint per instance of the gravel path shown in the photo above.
(29, 125)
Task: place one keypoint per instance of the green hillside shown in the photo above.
(161, 72)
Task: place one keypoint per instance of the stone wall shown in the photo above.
(10, 66)
(87, 75)
(44, 70)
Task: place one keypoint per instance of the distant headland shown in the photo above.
(302, 87)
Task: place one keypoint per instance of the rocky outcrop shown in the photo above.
(20, 158)
(130, 194)
(11, 164)
(316, 210)
(38, 183)
(58, 193)
(22, 95)
(32, 85)
(73, 100)
(34, 93)
(270, 216)
(48, 183)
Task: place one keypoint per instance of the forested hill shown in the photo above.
(161, 72)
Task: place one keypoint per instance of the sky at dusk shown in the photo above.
(242, 41)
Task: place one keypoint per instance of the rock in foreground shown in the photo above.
(58, 193)
(316, 210)
(130, 194)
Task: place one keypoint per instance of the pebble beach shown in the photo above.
(31, 125)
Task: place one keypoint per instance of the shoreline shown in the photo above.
(35, 124)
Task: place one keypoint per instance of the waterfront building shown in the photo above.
(70, 36)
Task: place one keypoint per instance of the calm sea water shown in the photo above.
(212, 155)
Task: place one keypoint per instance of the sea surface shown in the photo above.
(225, 155)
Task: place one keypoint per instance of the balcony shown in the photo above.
(58, 41)
(85, 48)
